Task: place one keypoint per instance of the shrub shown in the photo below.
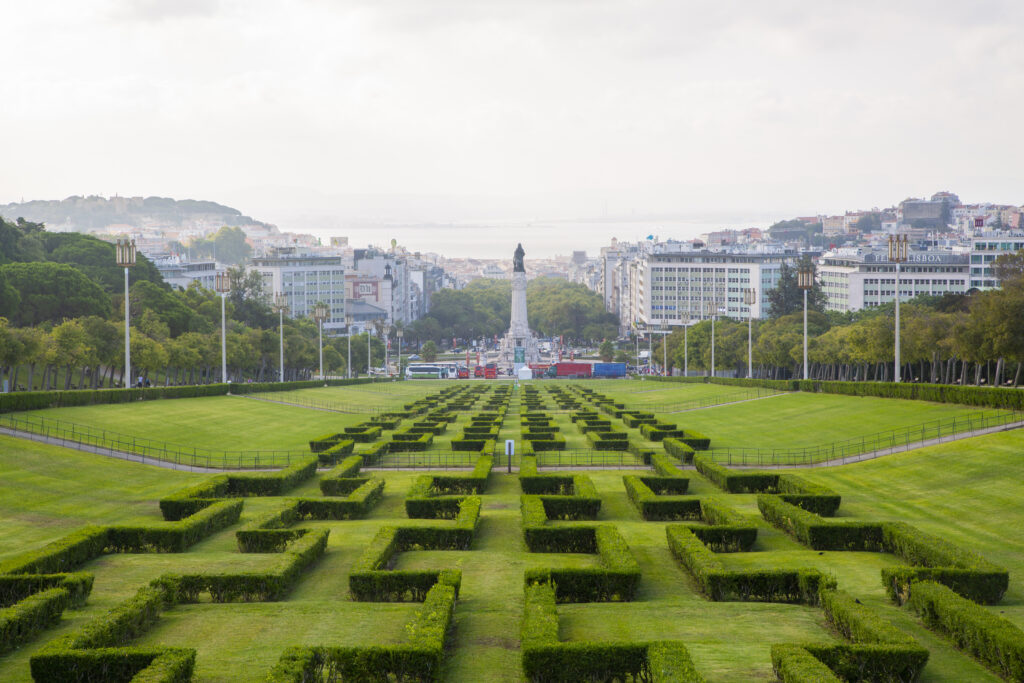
(991, 639)
(936, 559)
(789, 586)
(275, 483)
(678, 448)
(174, 537)
(653, 506)
(658, 431)
(339, 449)
(364, 433)
(817, 533)
(325, 441)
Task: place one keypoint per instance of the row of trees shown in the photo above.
(977, 337)
(483, 309)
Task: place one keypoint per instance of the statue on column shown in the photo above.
(517, 260)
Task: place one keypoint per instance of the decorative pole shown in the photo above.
(805, 280)
(320, 313)
(348, 333)
(281, 304)
(125, 255)
(401, 333)
(750, 298)
(222, 283)
(897, 254)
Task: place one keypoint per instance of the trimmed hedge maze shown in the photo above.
(577, 558)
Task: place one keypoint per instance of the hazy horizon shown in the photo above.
(553, 110)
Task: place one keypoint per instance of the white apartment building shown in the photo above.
(673, 288)
(179, 273)
(305, 280)
(853, 279)
(986, 248)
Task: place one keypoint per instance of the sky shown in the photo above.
(461, 110)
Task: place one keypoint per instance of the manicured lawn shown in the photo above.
(968, 491)
(801, 419)
(218, 423)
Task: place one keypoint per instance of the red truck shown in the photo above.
(570, 370)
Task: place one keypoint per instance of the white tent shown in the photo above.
(524, 372)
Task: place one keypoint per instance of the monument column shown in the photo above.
(519, 327)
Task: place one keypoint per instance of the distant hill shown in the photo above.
(94, 213)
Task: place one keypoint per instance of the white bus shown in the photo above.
(425, 371)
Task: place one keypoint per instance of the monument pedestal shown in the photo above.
(519, 346)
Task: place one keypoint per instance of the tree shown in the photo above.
(429, 352)
(606, 351)
(52, 292)
(227, 245)
(869, 222)
(1009, 269)
(787, 297)
(10, 300)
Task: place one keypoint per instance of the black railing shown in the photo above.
(141, 449)
(876, 444)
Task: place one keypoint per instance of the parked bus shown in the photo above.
(423, 371)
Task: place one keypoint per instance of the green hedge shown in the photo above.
(173, 537)
(993, 640)
(777, 585)
(364, 433)
(369, 580)
(790, 487)
(659, 431)
(274, 483)
(332, 454)
(817, 533)
(553, 442)
(794, 664)
(346, 469)
(63, 555)
(615, 580)
(648, 496)
(545, 659)
(23, 620)
(678, 448)
(936, 559)
(933, 558)
(325, 441)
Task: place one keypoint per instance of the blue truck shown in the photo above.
(609, 370)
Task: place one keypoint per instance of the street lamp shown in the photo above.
(400, 333)
(125, 256)
(348, 334)
(805, 280)
(387, 334)
(222, 283)
(686, 349)
(281, 305)
(897, 254)
(750, 298)
(320, 313)
(711, 309)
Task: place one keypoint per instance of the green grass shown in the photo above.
(220, 423)
(800, 419)
(968, 491)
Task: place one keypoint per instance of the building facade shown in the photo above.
(305, 280)
(855, 279)
(987, 248)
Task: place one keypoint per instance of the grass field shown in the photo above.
(968, 491)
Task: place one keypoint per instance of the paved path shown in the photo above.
(871, 455)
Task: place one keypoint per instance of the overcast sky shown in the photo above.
(461, 109)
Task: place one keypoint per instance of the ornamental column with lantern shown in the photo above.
(125, 255)
(281, 305)
(805, 281)
(897, 254)
(320, 313)
(222, 283)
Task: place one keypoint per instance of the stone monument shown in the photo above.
(519, 347)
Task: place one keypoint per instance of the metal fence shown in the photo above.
(445, 460)
(871, 445)
(138, 449)
(549, 405)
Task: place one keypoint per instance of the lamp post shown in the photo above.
(125, 256)
(387, 334)
(222, 283)
(280, 305)
(369, 365)
(750, 298)
(897, 254)
(400, 333)
(320, 313)
(348, 333)
(686, 350)
(711, 310)
(805, 280)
